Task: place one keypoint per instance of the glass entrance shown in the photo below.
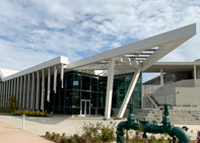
(85, 107)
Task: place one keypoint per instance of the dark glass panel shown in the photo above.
(76, 98)
(85, 83)
(94, 83)
(85, 95)
(94, 99)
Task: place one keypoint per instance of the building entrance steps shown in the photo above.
(155, 114)
(10, 134)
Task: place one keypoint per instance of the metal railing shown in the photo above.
(152, 101)
(182, 116)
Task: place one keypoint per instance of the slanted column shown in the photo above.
(20, 93)
(161, 77)
(48, 85)
(24, 93)
(14, 84)
(195, 72)
(61, 75)
(55, 79)
(109, 91)
(129, 93)
(42, 92)
(28, 92)
(32, 91)
(37, 91)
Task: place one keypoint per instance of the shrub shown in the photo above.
(12, 104)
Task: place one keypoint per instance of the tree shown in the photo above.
(12, 104)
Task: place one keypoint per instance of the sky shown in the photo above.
(34, 31)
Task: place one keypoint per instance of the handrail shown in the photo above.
(152, 101)
(181, 113)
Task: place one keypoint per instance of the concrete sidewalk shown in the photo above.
(66, 124)
(10, 134)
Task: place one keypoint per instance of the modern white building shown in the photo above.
(93, 85)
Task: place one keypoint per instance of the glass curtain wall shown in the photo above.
(79, 86)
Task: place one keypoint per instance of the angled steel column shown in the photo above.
(20, 93)
(48, 85)
(109, 91)
(28, 92)
(55, 79)
(42, 93)
(61, 75)
(129, 93)
(37, 91)
(32, 92)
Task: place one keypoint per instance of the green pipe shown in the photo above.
(181, 134)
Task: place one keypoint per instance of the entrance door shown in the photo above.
(85, 107)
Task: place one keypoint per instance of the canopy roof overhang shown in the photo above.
(142, 54)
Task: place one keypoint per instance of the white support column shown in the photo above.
(14, 87)
(11, 87)
(17, 90)
(48, 85)
(61, 75)
(161, 77)
(55, 79)
(20, 93)
(24, 93)
(109, 91)
(42, 92)
(28, 93)
(129, 93)
(32, 92)
(195, 72)
(1, 92)
(6, 88)
(4, 93)
(37, 91)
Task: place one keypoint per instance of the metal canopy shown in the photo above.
(142, 54)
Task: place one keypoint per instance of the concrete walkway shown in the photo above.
(67, 124)
(10, 134)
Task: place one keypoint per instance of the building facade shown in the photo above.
(93, 85)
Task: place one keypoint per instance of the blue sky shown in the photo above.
(34, 31)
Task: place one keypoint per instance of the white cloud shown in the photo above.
(33, 31)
